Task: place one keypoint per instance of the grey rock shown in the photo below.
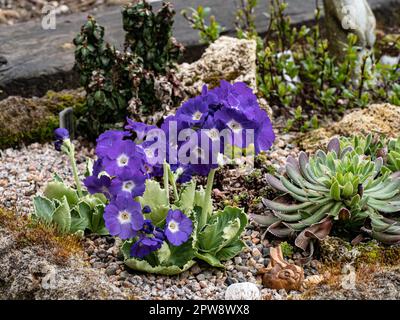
(349, 16)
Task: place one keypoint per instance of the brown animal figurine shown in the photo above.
(281, 275)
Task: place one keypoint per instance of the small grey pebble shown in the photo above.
(238, 260)
(111, 269)
(124, 275)
(201, 277)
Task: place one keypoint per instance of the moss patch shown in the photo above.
(29, 232)
(34, 120)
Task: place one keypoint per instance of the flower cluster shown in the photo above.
(190, 142)
(120, 174)
(197, 137)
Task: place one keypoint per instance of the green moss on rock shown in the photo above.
(335, 250)
(26, 120)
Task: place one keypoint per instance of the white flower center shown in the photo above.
(199, 152)
(128, 186)
(173, 226)
(149, 153)
(122, 160)
(234, 125)
(197, 115)
(213, 134)
(124, 217)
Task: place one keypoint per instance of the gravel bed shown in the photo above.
(24, 173)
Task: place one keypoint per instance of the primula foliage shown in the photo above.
(165, 226)
(340, 189)
(70, 210)
(139, 80)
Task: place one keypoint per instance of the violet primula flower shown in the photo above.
(193, 111)
(107, 140)
(140, 129)
(60, 134)
(98, 185)
(178, 227)
(144, 246)
(130, 182)
(148, 227)
(123, 217)
(122, 157)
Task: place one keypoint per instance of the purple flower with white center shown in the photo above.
(122, 156)
(123, 217)
(193, 111)
(107, 141)
(144, 246)
(98, 185)
(184, 172)
(140, 129)
(130, 182)
(198, 155)
(178, 228)
(60, 134)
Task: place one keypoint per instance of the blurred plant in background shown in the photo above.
(302, 80)
(208, 33)
(137, 81)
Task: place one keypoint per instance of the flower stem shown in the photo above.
(166, 180)
(71, 155)
(205, 213)
(173, 183)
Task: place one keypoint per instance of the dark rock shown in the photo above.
(230, 281)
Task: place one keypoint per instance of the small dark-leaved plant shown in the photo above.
(140, 80)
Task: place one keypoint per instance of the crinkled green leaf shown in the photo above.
(230, 252)
(187, 197)
(210, 259)
(222, 230)
(155, 197)
(199, 199)
(62, 216)
(57, 190)
(169, 270)
(78, 223)
(44, 208)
